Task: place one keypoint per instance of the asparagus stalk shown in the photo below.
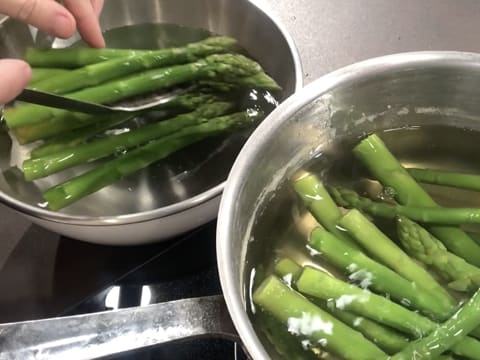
(39, 74)
(424, 247)
(362, 302)
(52, 127)
(316, 198)
(228, 67)
(366, 272)
(70, 58)
(449, 335)
(385, 338)
(383, 165)
(78, 136)
(345, 296)
(286, 344)
(447, 178)
(288, 270)
(46, 165)
(305, 319)
(370, 274)
(436, 215)
(60, 125)
(96, 74)
(384, 249)
(74, 189)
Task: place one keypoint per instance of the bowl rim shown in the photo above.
(233, 291)
(165, 211)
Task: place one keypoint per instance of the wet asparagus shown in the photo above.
(318, 284)
(385, 338)
(46, 165)
(74, 57)
(447, 178)
(449, 335)
(436, 215)
(368, 273)
(74, 189)
(385, 250)
(316, 198)
(96, 74)
(385, 167)
(309, 321)
(421, 245)
(233, 68)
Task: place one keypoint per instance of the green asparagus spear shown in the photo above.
(383, 165)
(71, 121)
(447, 178)
(424, 247)
(318, 284)
(99, 124)
(385, 338)
(307, 320)
(366, 272)
(53, 127)
(39, 74)
(72, 190)
(70, 58)
(316, 198)
(96, 74)
(362, 302)
(446, 336)
(437, 215)
(286, 344)
(288, 270)
(44, 166)
(227, 67)
(78, 136)
(371, 274)
(386, 251)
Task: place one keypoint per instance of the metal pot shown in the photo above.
(406, 89)
(156, 204)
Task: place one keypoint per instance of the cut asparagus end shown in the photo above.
(288, 268)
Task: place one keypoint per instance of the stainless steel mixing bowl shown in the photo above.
(176, 195)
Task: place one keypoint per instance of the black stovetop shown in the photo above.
(45, 277)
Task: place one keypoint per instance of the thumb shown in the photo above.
(15, 75)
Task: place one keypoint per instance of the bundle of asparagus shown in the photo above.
(213, 68)
(389, 303)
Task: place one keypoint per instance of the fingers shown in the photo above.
(57, 20)
(47, 15)
(15, 75)
(86, 14)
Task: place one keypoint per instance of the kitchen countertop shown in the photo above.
(333, 33)
(329, 34)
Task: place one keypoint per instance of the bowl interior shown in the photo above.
(259, 210)
(194, 173)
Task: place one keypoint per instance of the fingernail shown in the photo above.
(63, 25)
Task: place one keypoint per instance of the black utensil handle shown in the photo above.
(60, 102)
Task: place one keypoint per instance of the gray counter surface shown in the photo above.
(333, 33)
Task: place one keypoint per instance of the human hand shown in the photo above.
(55, 19)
